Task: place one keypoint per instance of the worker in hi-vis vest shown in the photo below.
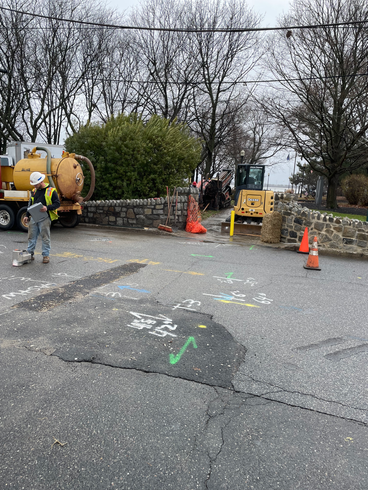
(48, 197)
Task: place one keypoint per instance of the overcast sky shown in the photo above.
(270, 10)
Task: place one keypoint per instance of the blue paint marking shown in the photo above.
(134, 289)
(291, 308)
(355, 338)
(224, 296)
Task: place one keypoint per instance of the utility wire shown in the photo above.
(174, 29)
(199, 83)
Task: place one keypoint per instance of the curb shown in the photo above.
(288, 247)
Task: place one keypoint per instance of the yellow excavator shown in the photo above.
(251, 202)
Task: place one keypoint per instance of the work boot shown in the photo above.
(32, 257)
(46, 260)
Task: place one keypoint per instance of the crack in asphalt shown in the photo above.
(212, 460)
(280, 389)
(221, 411)
(205, 430)
(264, 396)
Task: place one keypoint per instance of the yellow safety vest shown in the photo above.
(48, 197)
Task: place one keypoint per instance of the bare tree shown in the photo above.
(253, 132)
(323, 93)
(106, 67)
(49, 63)
(168, 59)
(226, 59)
(118, 78)
(59, 48)
(14, 36)
(61, 75)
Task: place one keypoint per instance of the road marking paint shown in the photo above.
(291, 308)
(134, 289)
(198, 255)
(71, 255)
(174, 359)
(144, 261)
(236, 303)
(185, 272)
(202, 326)
(356, 338)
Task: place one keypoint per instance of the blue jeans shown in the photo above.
(34, 230)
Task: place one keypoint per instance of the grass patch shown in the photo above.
(344, 215)
(208, 213)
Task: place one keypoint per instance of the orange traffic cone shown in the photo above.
(304, 246)
(312, 262)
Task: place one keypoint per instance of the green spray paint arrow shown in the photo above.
(175, 359)
(197, 255)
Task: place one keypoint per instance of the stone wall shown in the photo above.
(342, 234)
(139, 213)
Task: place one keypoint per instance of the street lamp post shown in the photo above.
(242, 154)
(292, 185)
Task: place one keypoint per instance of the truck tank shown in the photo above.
(65, 174)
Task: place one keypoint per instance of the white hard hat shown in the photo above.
(37, 178)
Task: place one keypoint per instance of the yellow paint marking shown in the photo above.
(70, 255)
(144, 261)
(348, 439)
(237, 303)
(202, 326)
(185, 272)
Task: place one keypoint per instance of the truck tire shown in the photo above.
(69, 219)
(22, 226)
(6, 217)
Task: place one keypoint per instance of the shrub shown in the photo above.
(134, 159)
(355, 189)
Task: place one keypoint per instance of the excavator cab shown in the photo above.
(251, 201)
(249, 177)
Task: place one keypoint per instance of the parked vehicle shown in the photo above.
(63, 172)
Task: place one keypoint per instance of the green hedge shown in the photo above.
(134, 159)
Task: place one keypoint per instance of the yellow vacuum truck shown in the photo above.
(64, 173)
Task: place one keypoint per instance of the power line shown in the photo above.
(187, 30)
(199, 83)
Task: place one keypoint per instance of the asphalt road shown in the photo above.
(137, 360)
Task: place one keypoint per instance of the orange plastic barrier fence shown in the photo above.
(194, 217)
